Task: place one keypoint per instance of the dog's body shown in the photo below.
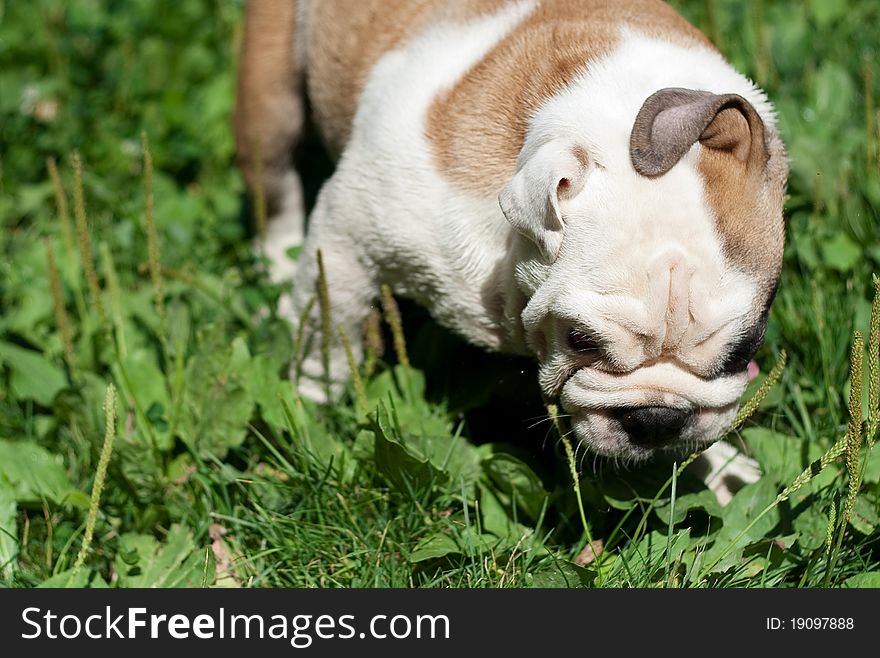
(585, 181)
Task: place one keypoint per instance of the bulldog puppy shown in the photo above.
(585, 181)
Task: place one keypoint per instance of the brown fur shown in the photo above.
(746, 198)
(269, 111)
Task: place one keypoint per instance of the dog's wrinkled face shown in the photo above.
(650, 273)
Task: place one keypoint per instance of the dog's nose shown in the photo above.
(652, 426)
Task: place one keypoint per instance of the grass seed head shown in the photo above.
(755, 401)
(299, 343)
(373, 341)
(356, 380)
(100, 477)
(854, 430)
(114, 293)
(326, 331)
(84, 240)
(832, 522)
(154, 256)
(392, 317)
(61, 206)
(61, 318)
(874, 365)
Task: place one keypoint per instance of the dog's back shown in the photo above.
(328, 50)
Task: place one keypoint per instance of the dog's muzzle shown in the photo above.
(659, 408)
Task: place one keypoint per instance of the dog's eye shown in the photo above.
(584, 344)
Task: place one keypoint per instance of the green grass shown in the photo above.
(219, 475)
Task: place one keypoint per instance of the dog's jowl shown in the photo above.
(588, 182)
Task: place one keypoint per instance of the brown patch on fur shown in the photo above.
(746, 198)
(269, 111)
(479, 126)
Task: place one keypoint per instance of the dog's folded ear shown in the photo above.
(674, 119)
(533, 200)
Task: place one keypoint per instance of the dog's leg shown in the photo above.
(268, 122)
(725, 470)
(352, 285)
(285, 230)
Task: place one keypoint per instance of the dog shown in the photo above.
(587, 182)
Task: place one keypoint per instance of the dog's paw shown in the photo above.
(311, 382)
(725, 470)
(311, 389)
(285, 230)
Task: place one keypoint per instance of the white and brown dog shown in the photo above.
(585, 181)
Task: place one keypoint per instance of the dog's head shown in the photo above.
(649, 272)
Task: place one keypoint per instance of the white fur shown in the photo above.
(532, 201)
(726, 470)
(286, 229)
(636, 259)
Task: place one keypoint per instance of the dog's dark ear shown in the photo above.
(673, 119)
(533, 200)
